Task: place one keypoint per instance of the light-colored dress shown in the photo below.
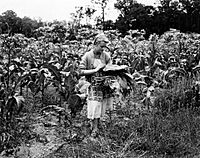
(97, 104)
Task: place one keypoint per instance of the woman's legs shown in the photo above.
(106, 105)
(94, 113)
(95, 124)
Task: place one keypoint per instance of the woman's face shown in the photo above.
(100, 47)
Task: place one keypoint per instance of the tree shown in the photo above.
(28, 26)
(124, 20)
(89, 11)
(134, 16)
(183, 14)
(178, 14)
(77, 17)
(103, 4)
(109, 25)
(10, 22)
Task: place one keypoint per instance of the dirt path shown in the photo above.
(46, 138)
(49, 135)
(51, 138)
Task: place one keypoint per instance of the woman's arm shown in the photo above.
(108, 58)
(84, 71)
(92, 71)
(87, 72)
(84, 66)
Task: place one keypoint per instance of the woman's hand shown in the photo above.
(100, 67)
(92, 71)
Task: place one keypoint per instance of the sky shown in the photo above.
(49, 10)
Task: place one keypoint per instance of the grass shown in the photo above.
(171, 129)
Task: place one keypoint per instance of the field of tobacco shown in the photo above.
(156, 103)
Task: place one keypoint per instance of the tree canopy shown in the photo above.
(183, 15)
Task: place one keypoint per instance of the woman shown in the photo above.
(91, 65)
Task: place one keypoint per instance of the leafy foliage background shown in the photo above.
(159, 117)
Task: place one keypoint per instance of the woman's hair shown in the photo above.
(100, 38)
